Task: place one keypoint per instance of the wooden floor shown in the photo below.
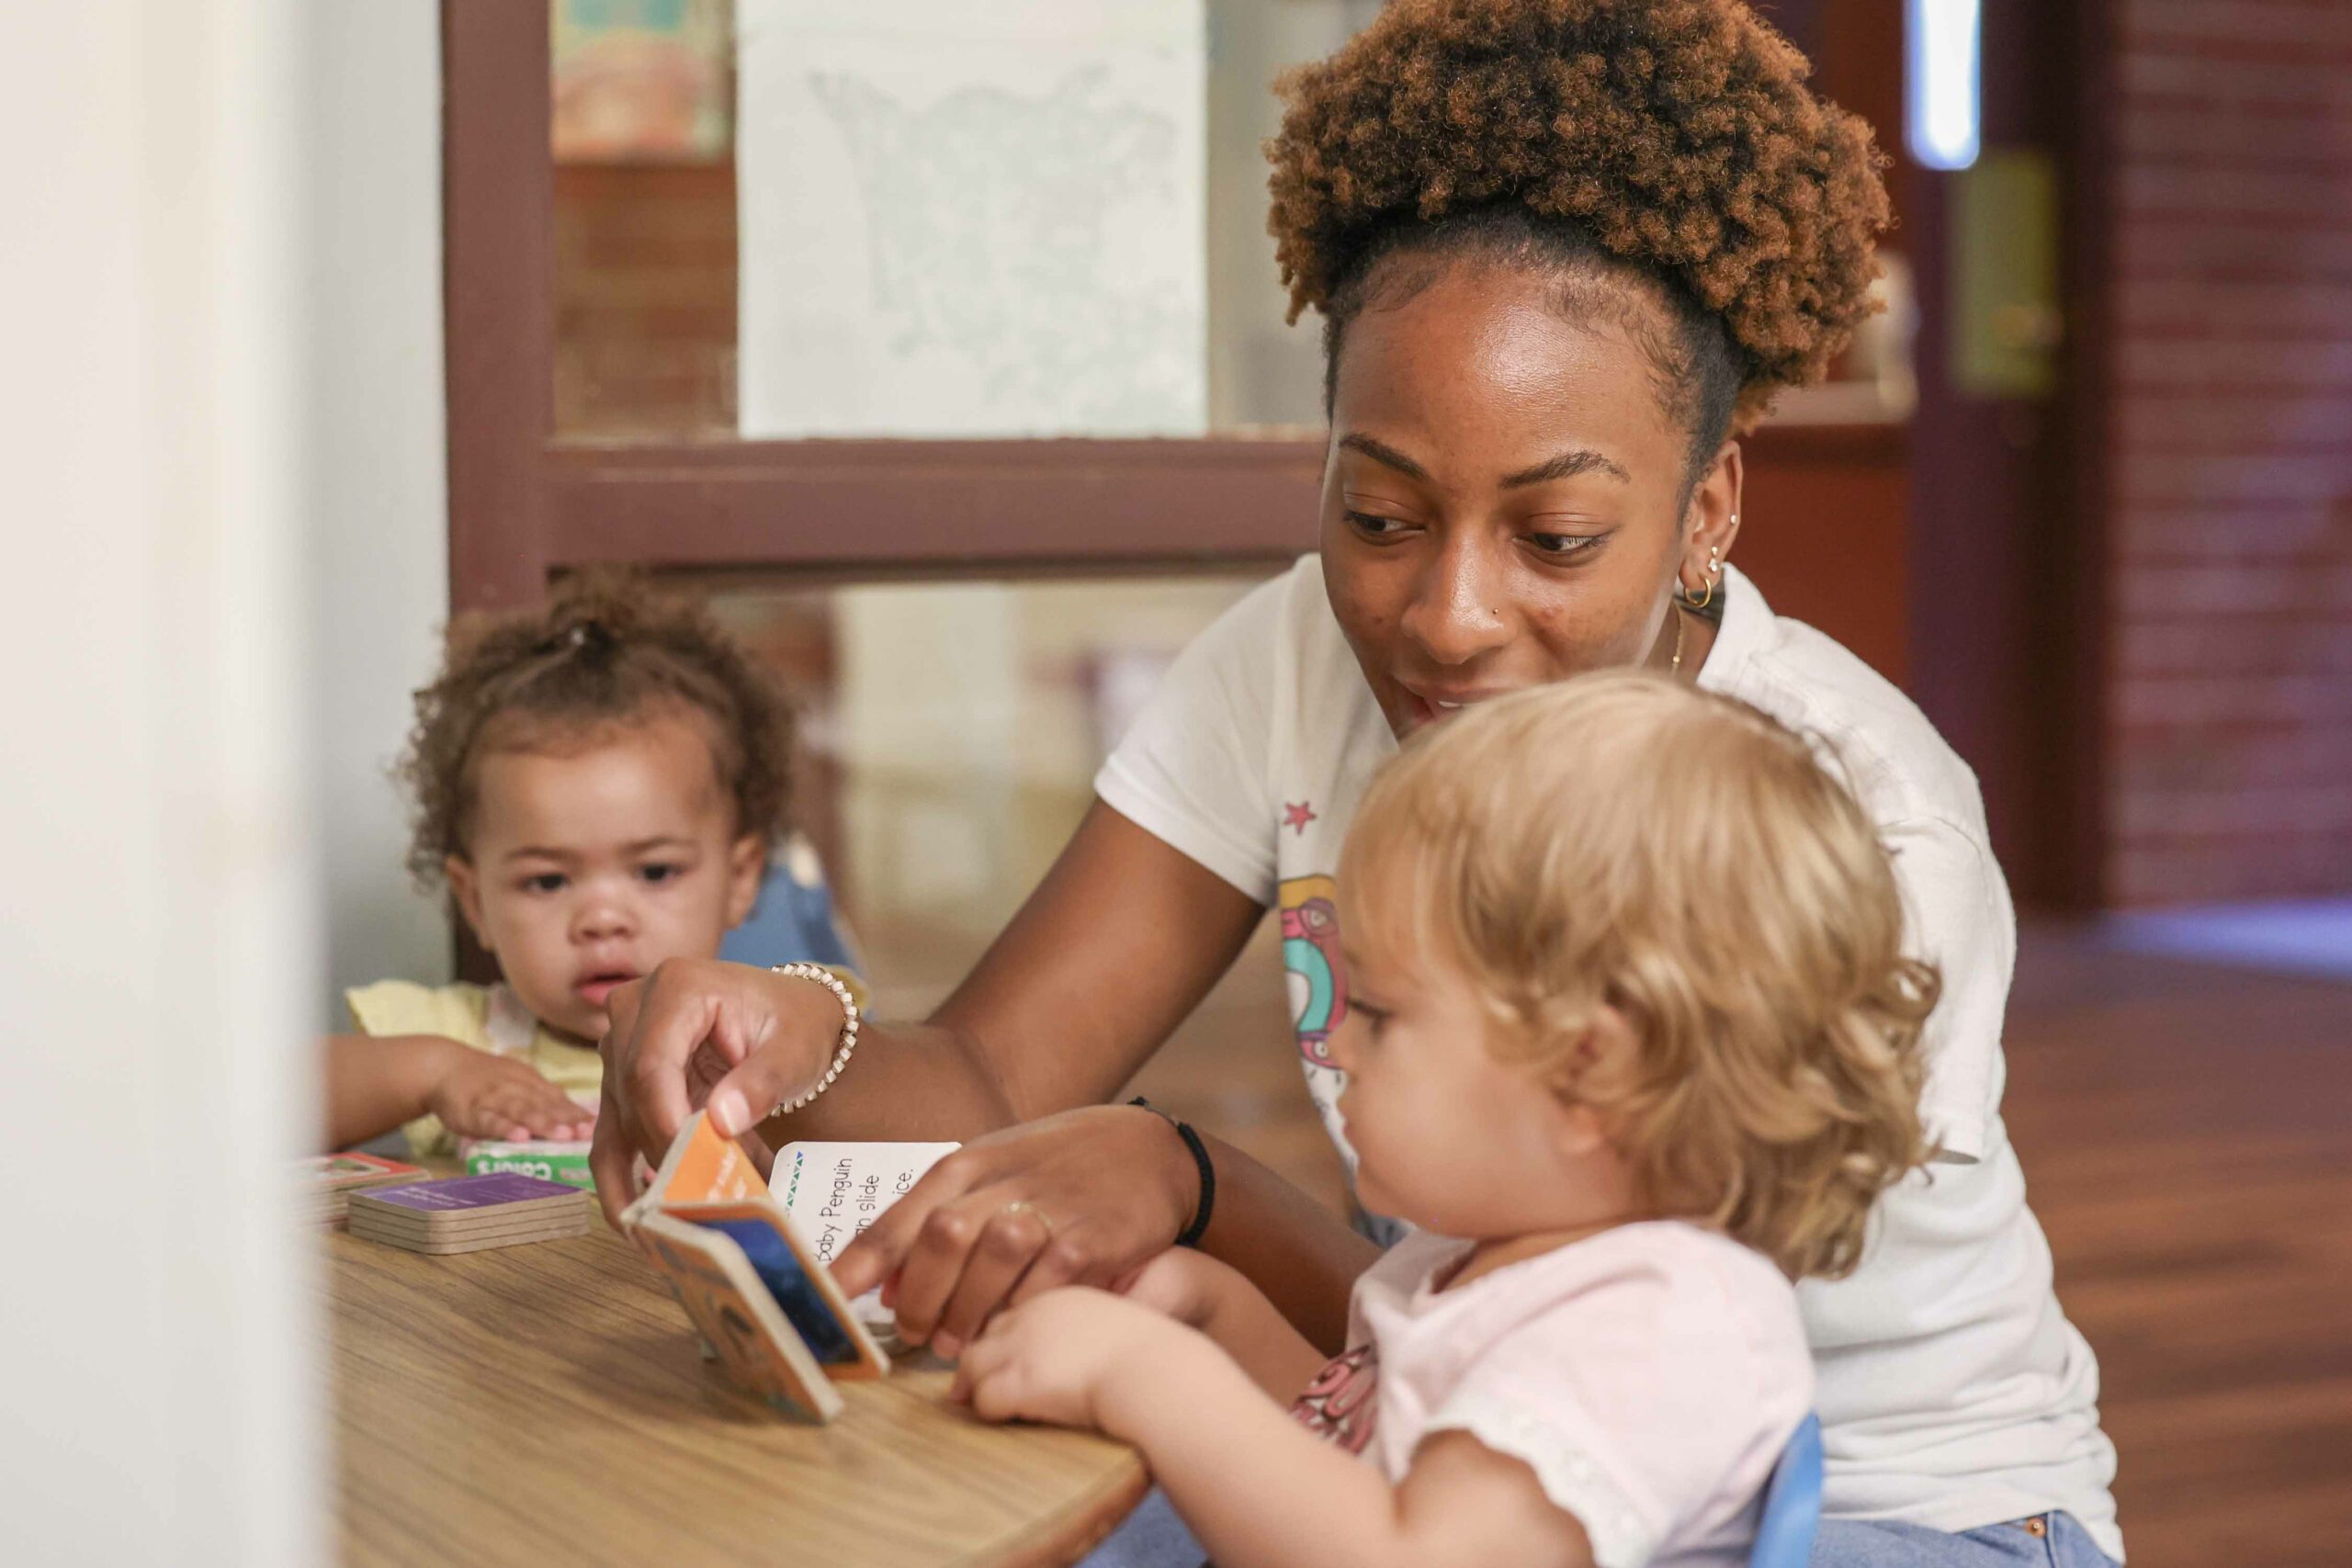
(2186, 1134)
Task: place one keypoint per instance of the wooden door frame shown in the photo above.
(525, 504)
(2010, 655)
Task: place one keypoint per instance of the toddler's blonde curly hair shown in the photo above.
(1619, 841)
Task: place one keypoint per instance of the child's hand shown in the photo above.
(1057, 1358)
(482, 1095)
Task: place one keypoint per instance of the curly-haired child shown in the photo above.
(598, 782)
(1635, 1043)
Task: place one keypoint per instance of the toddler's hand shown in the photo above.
(482, 1095)
(1054, 1358)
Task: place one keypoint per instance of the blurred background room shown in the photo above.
(943, 347)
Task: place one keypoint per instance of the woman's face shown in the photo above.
(1503, 502)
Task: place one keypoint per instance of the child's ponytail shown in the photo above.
(606, 649)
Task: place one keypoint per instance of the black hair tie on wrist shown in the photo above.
(1199, 1227)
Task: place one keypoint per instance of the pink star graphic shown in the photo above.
(1298, 815)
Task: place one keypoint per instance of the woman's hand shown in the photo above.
(1060, 1358)
(478, 1095)
(1082, 1197)
(697, 1033)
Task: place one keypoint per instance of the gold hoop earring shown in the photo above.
(1707, 580)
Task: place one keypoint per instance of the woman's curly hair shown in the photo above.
(606, 650)
(1686, 860)
(1679, 135)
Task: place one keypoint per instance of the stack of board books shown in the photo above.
(326, 1182)
(470, 1214)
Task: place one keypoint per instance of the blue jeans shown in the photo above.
(2045, 1540)
(1153, 1537)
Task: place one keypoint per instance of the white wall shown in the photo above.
(377, 510)
(156, 915)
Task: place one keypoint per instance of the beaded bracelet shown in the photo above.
(831, 982)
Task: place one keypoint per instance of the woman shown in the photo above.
(1565, 251)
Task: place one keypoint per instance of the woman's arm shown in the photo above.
(1303, 1258)
(1117, 944)
(1121, 940)
(376, 1084)
(1217, 1300)
(1256, 1486)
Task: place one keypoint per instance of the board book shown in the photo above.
(470, 1214)
(765, 1304)
(550, 1159)
(327, 1181)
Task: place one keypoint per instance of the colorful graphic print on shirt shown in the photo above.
(1317, 972)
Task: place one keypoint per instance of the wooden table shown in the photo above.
(549, 1404)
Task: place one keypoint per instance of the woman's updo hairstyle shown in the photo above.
(1675, 139)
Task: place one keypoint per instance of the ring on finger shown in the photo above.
(1022, 1206)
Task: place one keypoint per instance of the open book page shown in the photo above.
(834, 1190)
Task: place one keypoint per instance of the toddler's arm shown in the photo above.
(376, 1084)
(1218, 1299)
(1255, 1485)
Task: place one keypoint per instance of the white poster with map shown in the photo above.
(961, 218)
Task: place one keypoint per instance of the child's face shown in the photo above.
(1448, 1132)
(590, 865)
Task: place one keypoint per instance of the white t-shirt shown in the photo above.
(1649, 1376)
(1954, 1392)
